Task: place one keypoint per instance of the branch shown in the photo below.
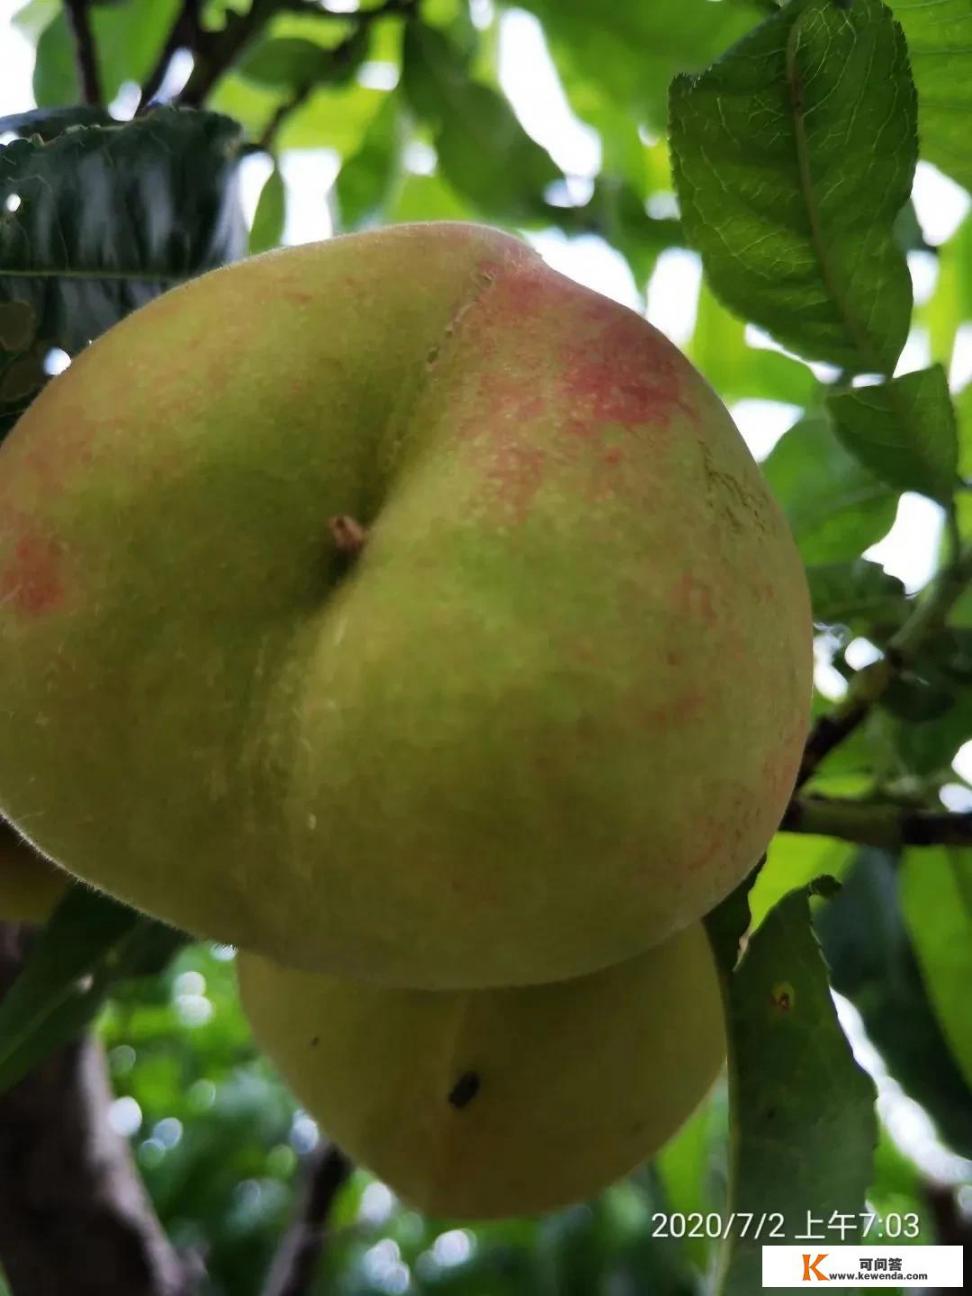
(215, 52)
(877, 823)
(185, 33)
(85, 54)
(869, 685)
(74, 1213)
(292, 1268)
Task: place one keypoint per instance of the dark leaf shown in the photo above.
(108, 217)
(872, 964)
(46, 123)
(792, 156)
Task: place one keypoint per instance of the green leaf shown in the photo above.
(872, 964)
(366, 181)
(939, 34)
(796, 1093)
(795, 861)
(927, 748)
(630, 50)
(270, 215)
(792, 156)
(88, 942)
(936, 901)
(859, 595)
(903, 430)
(834, 505)
(110, 216)
(735, 369)
(128, 39)
(291, 63)
(428, 197)
(483, 151)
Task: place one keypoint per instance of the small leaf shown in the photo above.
(792, 156)
(366, 179)
(286, 61)
(484, 152)
(796, 1094)
(88, 942)
(903, 430)
(834, 505)
(859, 595)
(270, 215)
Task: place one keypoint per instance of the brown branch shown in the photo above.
(215, 52)
(85, 54)
(185, 34)
(868, 686)
(293, 1266)
(875, 823)
(74, 1214)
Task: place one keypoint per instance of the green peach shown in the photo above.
(398, 608)
(484, 1103)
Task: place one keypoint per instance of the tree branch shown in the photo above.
(85, 54)
(74, 1214)
(184, 34)
(876, 823)
(868, 686)
(293, 1266)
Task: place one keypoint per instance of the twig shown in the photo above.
(873, 823)
(184, 34)
(869, 685)
(214, 52)
(293, 1266)
(85, 54)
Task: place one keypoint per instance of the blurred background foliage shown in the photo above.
(340, 117)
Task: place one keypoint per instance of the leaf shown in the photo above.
(366, 180)
(859, 595)
(270, 215)
(49, 122)
(834, 505)
(936, 902)
(110, 216)
(796, 1093)
(735, 369)
(128, 39)
(292, 63)
(630, 50)
(939, 34)
(793, 861)
(483, 151)
(88, 942)
(427, 197)
(792, 156)
(903, 430)
(872, 964)
(927, 748)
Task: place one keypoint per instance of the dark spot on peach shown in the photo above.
(464, 1090)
